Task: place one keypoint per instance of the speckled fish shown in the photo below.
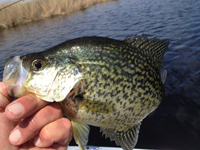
(97, 81)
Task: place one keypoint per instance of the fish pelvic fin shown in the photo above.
(80, 133)
(127, 139)
(163, 75)
(153, 47)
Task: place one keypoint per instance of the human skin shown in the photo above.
(32, 124)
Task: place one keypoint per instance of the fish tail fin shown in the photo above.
(127, 139)
(153, 47)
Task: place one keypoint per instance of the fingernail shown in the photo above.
(37, 142)
(15, 136)
(16, 109)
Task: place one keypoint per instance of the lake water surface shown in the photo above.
(176, 123)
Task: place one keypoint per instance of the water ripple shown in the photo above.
(177, 119)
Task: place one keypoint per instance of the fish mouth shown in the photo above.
(13, 76)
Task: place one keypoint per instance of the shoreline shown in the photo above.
(34, 10)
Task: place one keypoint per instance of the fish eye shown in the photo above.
(38, 64)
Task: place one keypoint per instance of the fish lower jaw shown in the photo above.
(15, 91)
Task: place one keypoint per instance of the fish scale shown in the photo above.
(97, 81)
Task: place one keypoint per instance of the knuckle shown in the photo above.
(33, 126)
(55, 110)
(35, 102)
(32, 100)
(46, 134)
(28, 101)
(29, 125)
(49, 113)
(67, 124)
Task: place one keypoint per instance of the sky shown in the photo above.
(3, 0)
(6, 0)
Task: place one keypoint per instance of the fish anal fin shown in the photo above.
(127, 139)
(80, 133)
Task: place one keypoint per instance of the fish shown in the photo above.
(103, 82)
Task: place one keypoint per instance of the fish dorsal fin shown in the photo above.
(80, 133)
(163, 75)
(127, 139)
(153, 47)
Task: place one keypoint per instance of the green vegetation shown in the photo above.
(24, 12)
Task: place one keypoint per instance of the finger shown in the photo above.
(56, 134)
(30, 126)
(4, 97)
(59, 147)
(29, 145)
(24, 107)
(6, 126)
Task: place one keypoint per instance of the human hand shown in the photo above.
(33, 124)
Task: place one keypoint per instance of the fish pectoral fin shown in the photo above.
(127, 139)
(163, 75)
(80, 133)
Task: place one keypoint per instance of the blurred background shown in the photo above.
(176, 122)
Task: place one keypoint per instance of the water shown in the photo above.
(176, 123)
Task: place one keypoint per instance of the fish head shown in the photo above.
(47, 78)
